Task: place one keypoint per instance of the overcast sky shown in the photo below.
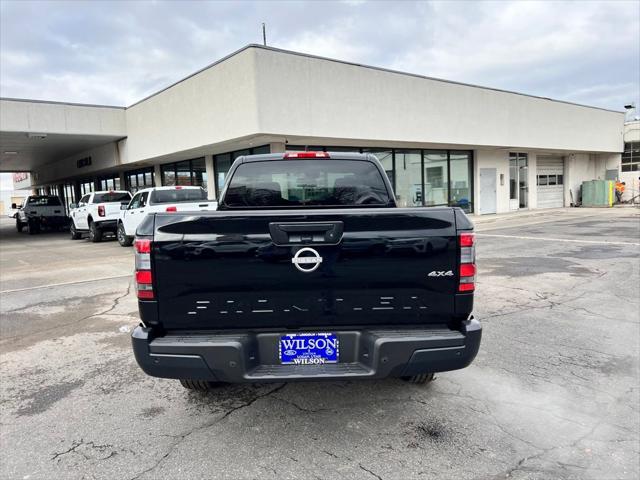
(118, 52)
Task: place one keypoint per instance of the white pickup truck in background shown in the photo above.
(160, 199)
(97, 213)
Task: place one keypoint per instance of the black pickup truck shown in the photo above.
(308, 270)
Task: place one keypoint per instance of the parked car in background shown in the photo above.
(40, 212)
(97, 213)
(160, 199)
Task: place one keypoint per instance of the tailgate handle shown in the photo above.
(306, 233)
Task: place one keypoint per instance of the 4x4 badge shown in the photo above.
(435, 273)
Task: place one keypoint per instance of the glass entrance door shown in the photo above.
(518, 181)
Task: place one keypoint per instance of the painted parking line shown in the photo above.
(548, 239)
(64, 284)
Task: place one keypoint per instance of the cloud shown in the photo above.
(119, 52)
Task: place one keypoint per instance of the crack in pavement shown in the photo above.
(370, 472)
(526, 307)
(75, 445)
(182, 437)
(116, 302)
(302, 409)
(520, 464)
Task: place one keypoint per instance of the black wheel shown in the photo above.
(123, 239)
(420, 379)
(199, 385)
(75, 235)
(95, 234)
(19, 225)
(33, 226)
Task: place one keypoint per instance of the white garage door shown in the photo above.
(550, 180)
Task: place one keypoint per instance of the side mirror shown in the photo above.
(73, 205)
(14, 206)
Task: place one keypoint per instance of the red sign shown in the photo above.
(20, 176)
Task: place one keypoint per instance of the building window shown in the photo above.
(223, 164)
(519, 179)
(408, 177)
(223, 161)
(199, 173)
(86, 187)
(111, 182)
(188, 172)
(69, 195)
(460, 175)
(631, 157)
(138, 179)
(436, 178)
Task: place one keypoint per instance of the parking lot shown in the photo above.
(553, 393)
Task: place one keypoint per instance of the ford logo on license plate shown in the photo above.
(308, 348)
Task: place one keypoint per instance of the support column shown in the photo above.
(157, 176)
(123, 186)
(211, 177)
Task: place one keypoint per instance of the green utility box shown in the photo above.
(598, 193)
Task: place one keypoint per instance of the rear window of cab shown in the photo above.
(122, 197)
(43, 201)
(178, 195)
(306, 183)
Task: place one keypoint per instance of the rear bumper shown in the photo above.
(50, 221)
(253, 357)
(106, 224)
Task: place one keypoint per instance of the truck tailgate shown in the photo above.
(112, 211)
(376, 271)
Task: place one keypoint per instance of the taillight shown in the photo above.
(306, 155)
(171, 209)
(467, 262)
(101, 212)
(144, 277)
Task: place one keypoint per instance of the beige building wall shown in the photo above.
(212, 106)
(61, 118)
(329, 99)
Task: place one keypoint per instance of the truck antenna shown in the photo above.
(264, 34)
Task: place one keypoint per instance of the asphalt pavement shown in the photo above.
(553, 393)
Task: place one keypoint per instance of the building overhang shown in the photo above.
(36, 133)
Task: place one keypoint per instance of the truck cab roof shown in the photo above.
(172, 187)
(307, 155)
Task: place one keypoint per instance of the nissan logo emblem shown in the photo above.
(307, 260)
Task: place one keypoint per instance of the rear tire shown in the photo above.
(19, 225)
(199, 385)
(33, 226)
(123, 239)
(95, 234)
(420, 379)
(75, 235)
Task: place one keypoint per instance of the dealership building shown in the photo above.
(441, 142)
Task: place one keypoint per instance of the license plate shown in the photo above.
(309, 348)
